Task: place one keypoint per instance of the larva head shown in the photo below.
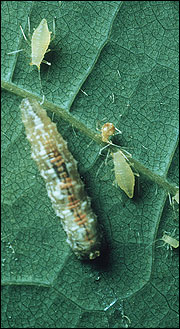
(107, 130)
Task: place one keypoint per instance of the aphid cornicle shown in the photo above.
(63, 183)
(39, 43)
(123, 173)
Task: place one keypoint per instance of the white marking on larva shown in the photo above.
(63, 183)
(123, 173)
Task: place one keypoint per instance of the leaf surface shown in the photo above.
(114, 62)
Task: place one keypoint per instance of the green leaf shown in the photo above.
(114, 62)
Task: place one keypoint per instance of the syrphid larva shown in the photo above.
(64, 186)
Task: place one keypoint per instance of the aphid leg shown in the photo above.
(43, 98)
(119, 131)
(108, 144)
(104, 148)
(108, 152)
(103, 163)
(45, 62)
(41, 86)
(29, 28)
(24, 35)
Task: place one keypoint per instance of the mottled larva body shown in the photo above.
(64, 186)
(123, 173)
(39, 43)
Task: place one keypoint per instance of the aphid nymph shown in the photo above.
(172, 242)
(39, 43)
(123, 173)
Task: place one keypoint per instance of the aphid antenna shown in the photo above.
(104, 161)
(22, 31)
(43, 97)
(19, 50)
(119, 131)
(15, 51)
(29, 28)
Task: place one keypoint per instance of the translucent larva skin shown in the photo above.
(64, 186)
(123, 173)
(171, 241)
(39, 43)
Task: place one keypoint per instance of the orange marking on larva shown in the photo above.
(68, 179)
(82, 222)
(80, 216)
(58, 164)
(71, 197)
(66, 186)
(56, 159)
(73, 204)
(89, 239)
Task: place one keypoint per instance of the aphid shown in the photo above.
(172, 242)
(40, 41)
(123, 173)
(64, 186)
(108, 130)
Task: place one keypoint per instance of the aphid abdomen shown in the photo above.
(40, 42)
(64, 186)
(123, 173)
